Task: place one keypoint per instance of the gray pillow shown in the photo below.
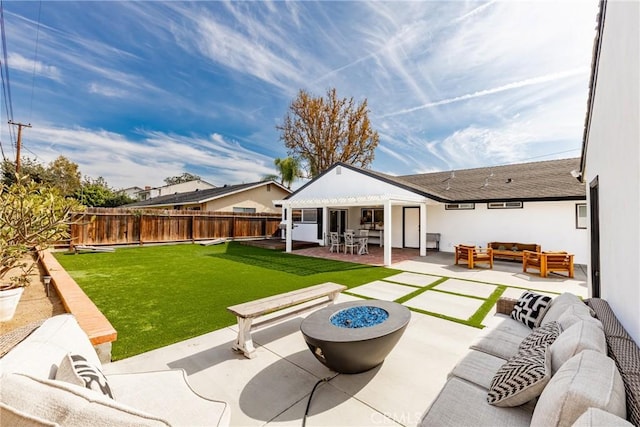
(580, 336)
(589, 379)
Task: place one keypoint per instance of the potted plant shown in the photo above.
(32, 217)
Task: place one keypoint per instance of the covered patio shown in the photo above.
(391, 235)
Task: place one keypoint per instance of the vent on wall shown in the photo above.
(338, 170)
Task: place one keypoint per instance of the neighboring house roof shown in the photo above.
(200, 196)
(537, 181)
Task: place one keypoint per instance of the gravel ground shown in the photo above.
(34, 304)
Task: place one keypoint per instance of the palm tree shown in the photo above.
(289, 169)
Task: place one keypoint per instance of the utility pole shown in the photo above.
(19, 141)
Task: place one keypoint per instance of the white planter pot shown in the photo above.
(9, 302)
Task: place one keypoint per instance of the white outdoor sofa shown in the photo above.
(53, 377)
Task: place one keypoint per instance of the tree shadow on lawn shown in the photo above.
(279, 261)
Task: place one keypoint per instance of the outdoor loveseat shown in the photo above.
(512, 250)
(571, 369)
(54, 377)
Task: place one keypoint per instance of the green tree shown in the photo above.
(324, 130)
(28, 167)
(32, 216)
(97, 193)
(179, 179)
(289, 169)
(64, 175)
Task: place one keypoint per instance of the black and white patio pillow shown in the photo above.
(75, 369)
(521, 378)
(530, 308)
(544, 335)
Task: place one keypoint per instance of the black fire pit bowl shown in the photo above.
(354, 350)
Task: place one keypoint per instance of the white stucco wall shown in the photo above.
(549, 224)
(613, 156)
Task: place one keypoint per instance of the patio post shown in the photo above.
(387, 232)
(423, 229)
(289, 228)
(325, 224)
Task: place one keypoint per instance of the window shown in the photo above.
(504, 205)
(309, 216)
(458, 206)
(581, 215)
(372, 216)
(244, 210)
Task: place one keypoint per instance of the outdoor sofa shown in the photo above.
(571, 369)
(511, 250)
(54, 377)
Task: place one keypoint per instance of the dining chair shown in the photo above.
(363, 245)
(350, 243)
(334, 240)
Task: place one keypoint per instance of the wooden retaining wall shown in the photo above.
(113, 226)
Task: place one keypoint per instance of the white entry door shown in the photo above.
(411, 225)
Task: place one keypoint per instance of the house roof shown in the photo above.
(537, 181)
(595, 60)
(200, 196)
(546, 180)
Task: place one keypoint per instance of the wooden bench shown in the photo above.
(248, 312)
(547, 262)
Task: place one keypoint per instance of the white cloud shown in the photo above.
(19, 62)
(124, 162)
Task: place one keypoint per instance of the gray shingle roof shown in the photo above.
(199, 196)
(546, 180)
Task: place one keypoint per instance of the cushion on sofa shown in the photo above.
(498, 343)
(588, 379)
(40, 354)
(521, 378)
(561, 303)
(544, 335)
(12, 417)
(68, 404)
(478, 368)
(75, 369)
(594, 417)
(460, 403)
(574, 314)
(530, 308)
(580, 336)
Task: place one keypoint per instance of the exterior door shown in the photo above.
(595, 237)
(338, 220)
(411, 227)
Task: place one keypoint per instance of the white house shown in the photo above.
(536, 202)
(610, 164)
(182, 187)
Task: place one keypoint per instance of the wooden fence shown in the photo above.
(114, 226)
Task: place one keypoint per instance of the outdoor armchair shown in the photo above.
(472, 255)
(546, 262)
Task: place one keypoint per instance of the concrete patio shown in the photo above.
(273, 388)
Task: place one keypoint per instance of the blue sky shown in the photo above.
(139, 91)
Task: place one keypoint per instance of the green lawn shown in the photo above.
(159, 295)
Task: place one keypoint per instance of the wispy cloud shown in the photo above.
(19, 62)
(510, 86)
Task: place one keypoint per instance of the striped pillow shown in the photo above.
(521, 378)
(76, 370)
(530, 308)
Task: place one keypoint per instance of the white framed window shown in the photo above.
(371, 216)
(309, 216)
(244, 210)
(581, 215)
(459, 206)
(504, 205)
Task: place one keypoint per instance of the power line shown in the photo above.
(4, 74)
(35, 60)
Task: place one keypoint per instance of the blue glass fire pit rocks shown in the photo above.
(354, 349)
(359, 317)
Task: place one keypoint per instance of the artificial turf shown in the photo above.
(158, 295)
